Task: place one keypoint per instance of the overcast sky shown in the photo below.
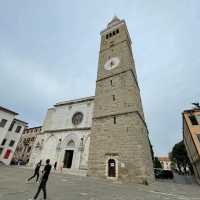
(49, 52)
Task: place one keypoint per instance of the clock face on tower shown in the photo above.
(111, 63)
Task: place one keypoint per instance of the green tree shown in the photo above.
(180, 157)
(157, 163)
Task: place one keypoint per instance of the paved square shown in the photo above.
(68, 187)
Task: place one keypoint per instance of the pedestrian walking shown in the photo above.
(43, 180)
(61, 166)
(36, 172)
(55, 165)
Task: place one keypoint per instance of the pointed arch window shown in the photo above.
(71, 143)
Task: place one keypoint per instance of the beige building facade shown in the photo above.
(119, 145)
(25, 145)
(191, 138)
(165, 162)
(11, 130)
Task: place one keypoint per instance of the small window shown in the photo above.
(114, 119)
(1, 150)
(113, 32)
(193, 120)
(117, 31)
(113, 97)
(198, 137)
(18, 129)
(3, 122)
(111, 83)
(3, 142)
(198, 118)
(7, 154)
(110, 34)
(106, 36)
(29, 149)
(11, 126)
(12, 142)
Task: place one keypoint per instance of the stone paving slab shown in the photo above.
(68, 187)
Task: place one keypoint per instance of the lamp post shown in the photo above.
(196, 104)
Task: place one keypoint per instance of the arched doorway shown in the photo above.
(111, 168)
(69, 152)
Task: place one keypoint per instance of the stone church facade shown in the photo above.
(105, 135)
(65, 136)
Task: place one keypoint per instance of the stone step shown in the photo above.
(75, 172)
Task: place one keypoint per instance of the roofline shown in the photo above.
(108, 29)
(75, 101)
(191, 110)
(162, 158)
(20, 121)
(122, 21)
(8, 111)
(33, 128)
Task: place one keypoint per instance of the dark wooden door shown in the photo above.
(68, 158)
(111, 168)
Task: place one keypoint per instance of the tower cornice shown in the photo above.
(110, 28)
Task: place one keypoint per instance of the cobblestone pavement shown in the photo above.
(69, 187)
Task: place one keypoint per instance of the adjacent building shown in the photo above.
(11, 130)
(65, 136)
(25, 145)
(191, 138)
(165, 162)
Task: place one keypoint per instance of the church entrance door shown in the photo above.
(68, 158)
(111, 168)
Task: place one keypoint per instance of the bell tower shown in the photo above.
(119, 145)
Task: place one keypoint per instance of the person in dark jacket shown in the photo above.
(36, 172)
(55, 166)
(43, 180)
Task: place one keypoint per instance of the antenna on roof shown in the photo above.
(196, 104)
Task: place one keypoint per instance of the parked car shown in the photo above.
(17, 162)
(163, 174)
(157, 172)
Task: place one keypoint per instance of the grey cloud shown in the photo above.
(49, 52)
